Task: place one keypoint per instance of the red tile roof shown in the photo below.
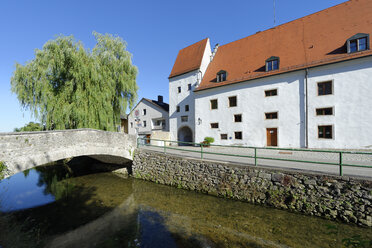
(310, 41)
(189, 58)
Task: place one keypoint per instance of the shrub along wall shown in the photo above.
(332, 197)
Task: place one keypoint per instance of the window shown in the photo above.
(325, 88)
(179, 89)
(224, 136)
(131, 124)
(238, 118)
(221, 76)
(325, 132)
(232, 101)
(214, 125)
(271, 92)
(272, 63)
(272, 115)
(159, 123)
(357, 43)
(184, 118)
(189, 86)
(186, 108)
(238, 135)
(214, 104)
(178, 109)
(324, 111)
(144, 124)
(144, 111)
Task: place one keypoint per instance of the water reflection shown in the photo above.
(104, 210)
(18, 193)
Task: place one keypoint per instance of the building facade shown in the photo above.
(305, 83)
(182, 83)
(148, 116)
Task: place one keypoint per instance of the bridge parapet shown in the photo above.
(24, 150)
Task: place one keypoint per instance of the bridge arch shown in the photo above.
(25, 150)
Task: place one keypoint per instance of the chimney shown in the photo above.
(160, 99)
(214, 51)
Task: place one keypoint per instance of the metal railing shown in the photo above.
(167, 145)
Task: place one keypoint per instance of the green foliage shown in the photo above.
(30, 127)
(2, 169)
(67, 86)
(137, 175)
(208, 140)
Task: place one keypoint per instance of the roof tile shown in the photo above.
(189, 58)
(306, 42)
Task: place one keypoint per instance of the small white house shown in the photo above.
(305, 83)
(149, 116)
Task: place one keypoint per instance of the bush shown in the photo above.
(30, 127)
(2, 169)
(208, 140)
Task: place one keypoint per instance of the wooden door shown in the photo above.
(148, 136)
(272, 136)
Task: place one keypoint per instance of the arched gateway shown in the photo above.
(185, 134)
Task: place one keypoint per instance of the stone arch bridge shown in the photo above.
(25, 150)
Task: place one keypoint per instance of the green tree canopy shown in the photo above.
(30, 127)
(67, 86)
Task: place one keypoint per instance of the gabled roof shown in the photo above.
(162, 105)
(310, 41)
(189, 58)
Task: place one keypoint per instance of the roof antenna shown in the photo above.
(274, 11)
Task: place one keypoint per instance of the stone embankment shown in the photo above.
(338, 198)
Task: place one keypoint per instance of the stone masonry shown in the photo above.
(24, 150)
(332, 197)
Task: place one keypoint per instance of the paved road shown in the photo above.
(359, 159)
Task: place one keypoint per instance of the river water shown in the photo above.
(52, 206)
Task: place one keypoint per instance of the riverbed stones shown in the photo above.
(332, 197)
(122, 171)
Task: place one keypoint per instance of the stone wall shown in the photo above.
(24, 150)
(332, 197)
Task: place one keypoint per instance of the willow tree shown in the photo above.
(67, 86)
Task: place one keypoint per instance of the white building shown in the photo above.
(186, 75)
(305, 83)
(149, 116)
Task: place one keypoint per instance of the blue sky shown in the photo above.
(154, 30)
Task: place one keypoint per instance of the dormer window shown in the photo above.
(272, 63)
(357, 43)
(221, 76)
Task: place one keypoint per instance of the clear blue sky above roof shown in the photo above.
(154, 30)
